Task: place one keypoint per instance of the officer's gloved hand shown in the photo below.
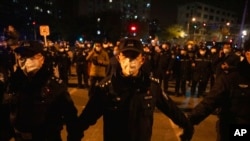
(188, 132)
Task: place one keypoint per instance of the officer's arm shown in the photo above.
(212, 101)
(69, 113)
(92, 111)
(169, 108)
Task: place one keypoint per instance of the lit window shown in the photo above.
(148, 5)
(36, 8)
(49, 12)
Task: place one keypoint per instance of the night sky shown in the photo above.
(166, 11)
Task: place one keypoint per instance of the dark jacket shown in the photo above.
(202, 69)
(40, 106)
(231, 94)
(232, 60)
(127, 105)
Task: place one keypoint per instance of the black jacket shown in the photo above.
(40, 105)
(231, 94)
(127, 105)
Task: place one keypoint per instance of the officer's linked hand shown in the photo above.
(187, 133)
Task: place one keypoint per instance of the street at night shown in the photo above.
(196, 52)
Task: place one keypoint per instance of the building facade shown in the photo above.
(201, 19)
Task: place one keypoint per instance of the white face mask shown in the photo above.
(202, 52)
(61, 49)
(130, 67)
(31, 65)
(183, 52)
(213, 50)
(115, 53)
(189, 47)
(98, 49)
(226, 50)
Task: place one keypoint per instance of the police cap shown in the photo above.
(29, 48)
(131, 44)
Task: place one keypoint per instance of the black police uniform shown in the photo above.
(201, 74)
(231, 94)
(6, 130)
(127, 105)
(182, 69)
(81, 66)
(63, 62)
(40, 106)
(164, 66)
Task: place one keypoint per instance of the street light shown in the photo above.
(188, 25)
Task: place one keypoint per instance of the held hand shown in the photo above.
(187, 133)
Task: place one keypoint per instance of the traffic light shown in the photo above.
(133, 28)
(204, 24)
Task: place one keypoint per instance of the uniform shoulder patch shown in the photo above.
(104, 83)
(154, 79)
(56, 79)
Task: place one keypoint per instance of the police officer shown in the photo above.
(63, 63)
(165, 64)
(227, 60)
(202, 69)
(182, 69)
(6, 130)
(40, 103)
(127, 100)
(231, 94)
(79, 58)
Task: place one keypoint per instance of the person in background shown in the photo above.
(39, 102)
(202, 69)
(182, 69)
(11, 36)
(165, 64)
(227, 60)
(231, 94)
(99, 60)
(6, 130)
(127, 100)
(79, 58)
(113, 62)
(63, 63)
(213, 54)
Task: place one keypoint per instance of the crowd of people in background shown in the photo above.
(194, 65)
(188, 64)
